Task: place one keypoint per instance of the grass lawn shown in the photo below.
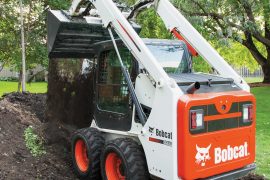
(253, 79)
(36, 87)
(263, 130)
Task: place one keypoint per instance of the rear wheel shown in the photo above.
(123, 159)
(87, 145)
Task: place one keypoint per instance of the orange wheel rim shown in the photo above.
(81, 155)
(114, 167)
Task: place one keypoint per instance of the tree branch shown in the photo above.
(262, 39)
(220, 17)
(2, 66)
(217, 17)
(267, 35)
(248, 10)
(250, 15)
(253, 49)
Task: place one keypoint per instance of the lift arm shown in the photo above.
(175, 21)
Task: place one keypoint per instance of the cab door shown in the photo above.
(113, 104)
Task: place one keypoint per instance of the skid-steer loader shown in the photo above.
(154, 116)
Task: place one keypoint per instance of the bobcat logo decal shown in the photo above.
(151, 129)
(202, 155)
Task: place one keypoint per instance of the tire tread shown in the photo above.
(95, 143)
(134, 157)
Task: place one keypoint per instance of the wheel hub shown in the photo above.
(81, 156)
(115, 169)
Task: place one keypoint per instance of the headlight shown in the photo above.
(247, 113)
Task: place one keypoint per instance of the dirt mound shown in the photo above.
(17, 112)
(252, 176)
(34, 103)
(259, 84)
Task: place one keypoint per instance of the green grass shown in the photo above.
(263, 130)
(36, 87)
(253, 79)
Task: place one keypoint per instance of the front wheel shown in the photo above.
(123, 159)
(87, 145)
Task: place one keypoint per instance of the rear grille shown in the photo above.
(221, 124)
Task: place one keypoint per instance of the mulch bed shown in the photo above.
(17, 112)
(259, 84)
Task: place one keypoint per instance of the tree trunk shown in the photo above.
(20, 82)
(266, 71)
(263, 61)
(2, 67)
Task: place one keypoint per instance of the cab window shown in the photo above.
(112, 90)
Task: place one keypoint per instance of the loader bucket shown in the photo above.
(74, 37)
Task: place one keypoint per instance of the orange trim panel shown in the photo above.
(222, 116)
(207, 154)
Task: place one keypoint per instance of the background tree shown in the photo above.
(244, 21)
(233, 52)
(35, 32)
(152, 25)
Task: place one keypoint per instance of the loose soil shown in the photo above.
(19, 111)
(259, 84)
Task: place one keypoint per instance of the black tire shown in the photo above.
(87, 145)
(132, 165)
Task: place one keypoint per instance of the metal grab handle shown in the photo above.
(138, 107)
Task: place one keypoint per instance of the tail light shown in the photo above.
(196, 119)
(247, 113)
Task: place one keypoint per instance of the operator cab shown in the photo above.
(114, 108)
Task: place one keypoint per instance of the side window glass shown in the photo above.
(112, 90)
(184, 64)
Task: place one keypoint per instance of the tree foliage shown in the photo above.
(238, 29)
(237, 55)
(227, 43)
(246, 22)
(152, 25)
(35, 32)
